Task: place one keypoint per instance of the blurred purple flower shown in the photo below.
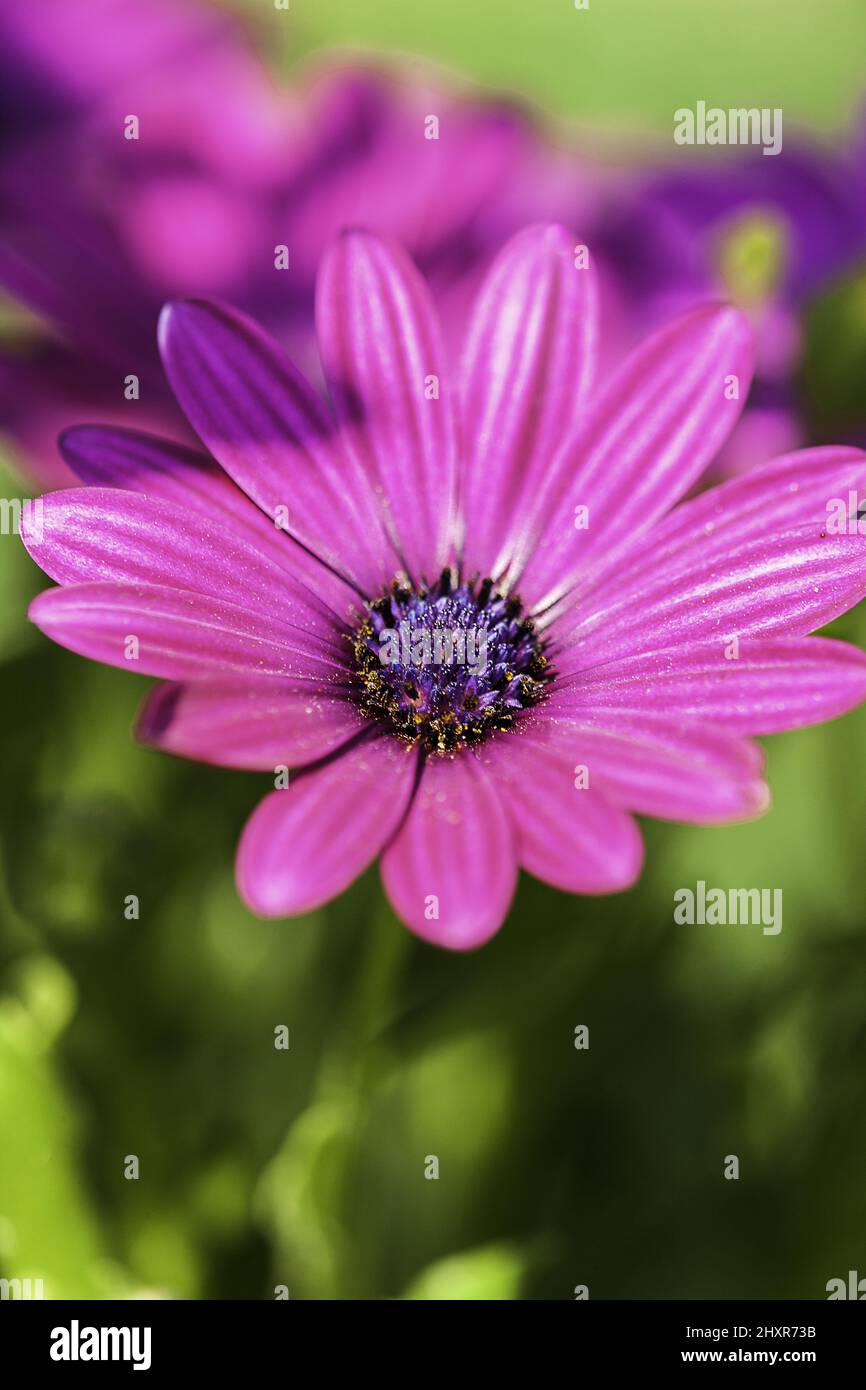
(630, 644)
(770, 233)
(97, 231)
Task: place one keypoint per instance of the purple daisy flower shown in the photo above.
(611, 646)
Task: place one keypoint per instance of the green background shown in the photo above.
(558, 1167)
(625, 63)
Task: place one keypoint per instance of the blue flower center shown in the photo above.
(447, 665)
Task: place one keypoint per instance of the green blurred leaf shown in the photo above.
(495, 1272)
(48, 1229)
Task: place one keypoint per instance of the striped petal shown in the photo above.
(756, 687)
(158, 631)
(567, 834)
(254, 724)
(647, 439)
(307, 842)
(527, 365)
(451, 871)
(784, 585)
(653, 765)
(91, 534)
(383, 359)
(102, 456)
(263, 422)
(799, 489)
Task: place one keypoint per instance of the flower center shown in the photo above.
(446, 666)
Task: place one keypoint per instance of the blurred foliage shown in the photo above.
(306, 1168)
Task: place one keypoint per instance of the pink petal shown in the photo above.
(791, 491)
(253, 724)
(575, 839)
(105, 457)
(264, 423)
(307, 842)
(94, 534)
(648, 438)
(380, 347)
(451, 871)
(772, 685)
(180, 635)
(528, 361)
(648, 763)
(786, 584)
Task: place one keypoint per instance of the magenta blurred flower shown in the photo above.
(97, 231)
(624, 644)
(771, 234)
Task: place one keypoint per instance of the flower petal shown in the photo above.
(646, 440)
(451, 871)
(793, 490)
(528, 361)
(254, 724)
(304, 844)
(105, 457)
(573, 838)
(653, 765)
(768, 686)
(93, 534)
(264, 423)
(380, 345)
(157, 631)
(786, 584)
